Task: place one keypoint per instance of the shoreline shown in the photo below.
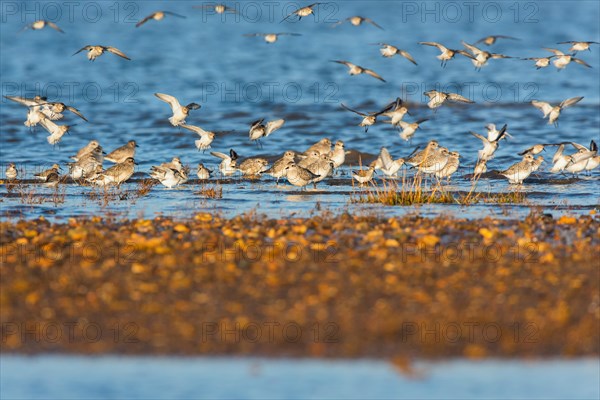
(326, 286)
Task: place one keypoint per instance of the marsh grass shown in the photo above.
(211, 192)
(28, 194)
(420, 190)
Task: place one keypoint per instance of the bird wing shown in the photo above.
(117, 52)
(420, 121)
(195, 129)
(407, 55)
(458, 97)
(483, 39)
(498, 55)
(346, 63)
(54, 26)
(542, 106)
(478, 136)
(464, 53)
(507, 37)
(558, 153)
(555, 51)
(220, 155)
(472, 48)
(578, 146)
(580, 61)
(569, 102)
(385, 157)
(82, 49)
(146, 19)
(76, 112)
(435, 44)
(272, 126)
(370, 21)
(373, 74)
(354, 111)
(501, 133)
(254, 34)
(169, 99)
(289, 34)
(23, 100)
(174, 14)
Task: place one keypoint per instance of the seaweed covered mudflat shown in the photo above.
(324, 286)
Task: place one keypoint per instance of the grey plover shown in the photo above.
(271, 37)
(157, 16)
(206, 137)
(436, 162)
(96, 51)
(446, 53)
(553, 112)
(519, 171)
(354, 69)
(298, 176)
(278, 170)
(338, 154)
(436, 98)
(180, 112)
(117, 174)
(357, 20)
(493, 133)
(452, 164)
(419, 156)
(387, 50)
(321, 167)
(323, 146)
(228, 165)
(122, 153)
(253, 166)
(308, 158)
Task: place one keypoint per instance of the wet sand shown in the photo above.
(324, 286)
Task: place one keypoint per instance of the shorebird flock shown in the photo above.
(322, 159)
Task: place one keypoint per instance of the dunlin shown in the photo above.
(482, 56)
(594, 161)
(395, 111)
(387, 50)
(436, 99)
(157, 16)
(490, 40)
(122, 153)
(364, 176)
(271, 37)
(493, 134)
(354, 69)
(561, 59)
(302, 12)
(369, 119)
(452, 164)
(57, 108)
(56, 131)
(560, 160)
(553, 112)
(409, 129)
(540, 62)
(167, 175)
(446, 53)
(480, 167)
(578, 46)
(44, 176)
(96, 51)
(203, 172)
(217, 8)
(489, 146)
(357, 21)
(41, 24)
(259, 130)
(580, 159)
(11, 172)
(180, 112)
(387, 164)
(35, 106)
(206, 137)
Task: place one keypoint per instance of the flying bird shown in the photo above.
(357, 70)
(218, 8)
(446, 53)
(436, 99)
(41, 24)
(180, 112)
(387, 50)
(540, 62)
(259, 130)
(96, 51)
(578, 46)
(206, 137)
(272, 37)
(490, 40)
(302, 12)
(157, 16)
(562, 59)
(368, 118)
(553, 112)
(357, 21)
(482, 56)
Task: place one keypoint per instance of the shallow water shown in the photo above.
(110, 377)
(237, 79)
